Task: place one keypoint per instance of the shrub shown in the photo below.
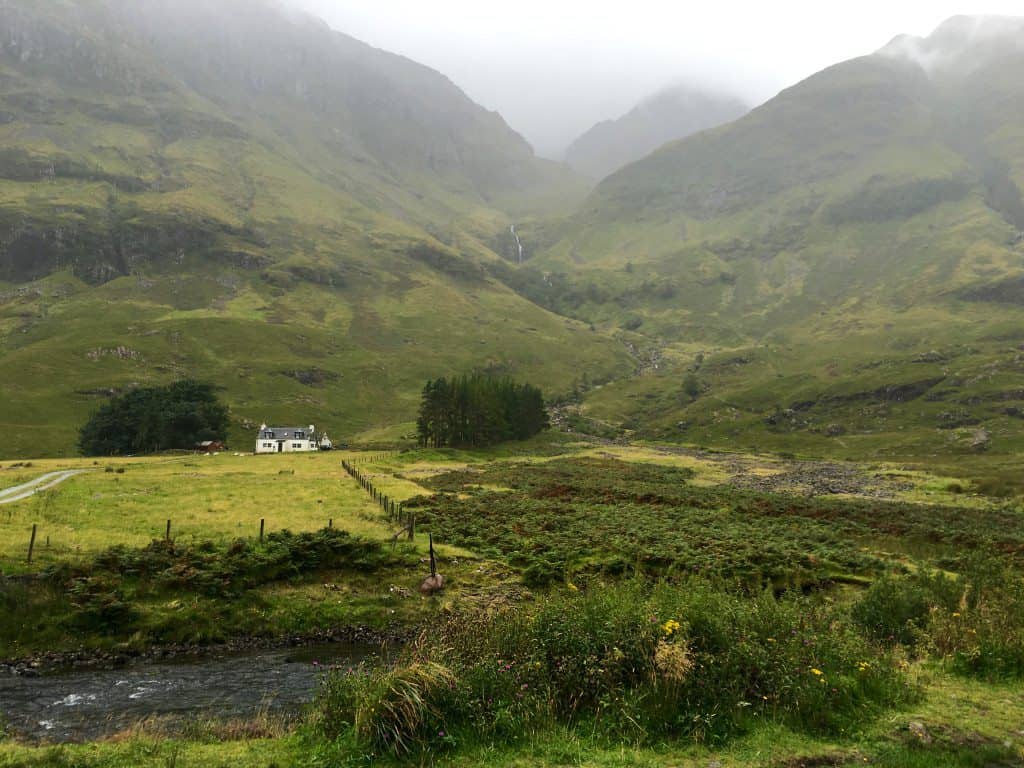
(975, 622)
(647, 664)
(215, 571)
(897, 610)
(100, 605)
(983, 635)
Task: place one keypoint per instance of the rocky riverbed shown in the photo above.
(798, 476)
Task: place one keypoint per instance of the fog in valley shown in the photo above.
(555, 69)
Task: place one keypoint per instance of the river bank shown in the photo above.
(54, 662)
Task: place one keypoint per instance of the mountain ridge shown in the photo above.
(670, 114)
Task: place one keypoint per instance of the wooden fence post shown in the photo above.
(167, 532)
(330, 523)
(412, 527)
(262, 523)
(32, 542)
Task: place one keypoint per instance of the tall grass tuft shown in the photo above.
(395, 711)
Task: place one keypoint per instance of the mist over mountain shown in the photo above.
(673, 113)
(960, 45)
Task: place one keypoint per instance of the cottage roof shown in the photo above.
(287, 433)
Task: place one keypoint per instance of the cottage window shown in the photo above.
(296, 445)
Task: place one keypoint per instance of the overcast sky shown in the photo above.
(553, 68)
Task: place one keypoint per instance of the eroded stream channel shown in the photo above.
(83, 705)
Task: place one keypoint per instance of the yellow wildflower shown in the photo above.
(670, 627)
(817, 672)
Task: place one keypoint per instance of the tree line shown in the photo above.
(475, 411)
(151, 419)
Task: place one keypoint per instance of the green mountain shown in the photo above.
(842, 270)
(235, 192)
(673, 113)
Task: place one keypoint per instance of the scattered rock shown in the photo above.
(120, 352)
(918, 730)
(981, 439)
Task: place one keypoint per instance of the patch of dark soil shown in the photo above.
(890, 393)
(555, 492)
(1008, 291)
(817, 761)
(313, 377)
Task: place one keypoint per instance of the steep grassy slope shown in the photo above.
(672, 114)
(838, 271)
(235, 194)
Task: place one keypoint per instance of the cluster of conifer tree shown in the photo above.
(155, 419)
(479, 410)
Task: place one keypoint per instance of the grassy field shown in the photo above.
(212, 501)
(216, 498)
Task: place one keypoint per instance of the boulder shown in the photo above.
(432, 584)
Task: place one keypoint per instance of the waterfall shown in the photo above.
(519, 244)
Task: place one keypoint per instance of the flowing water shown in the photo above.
(519, 244)
(89, 704)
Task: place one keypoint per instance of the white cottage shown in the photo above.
(286, 439)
